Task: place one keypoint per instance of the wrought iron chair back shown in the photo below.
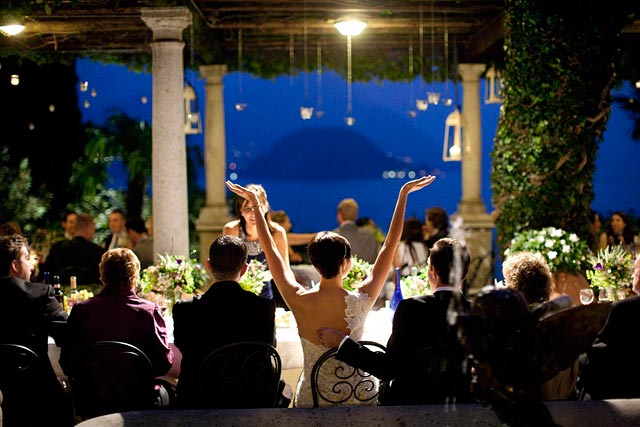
(240, 375)
(111, 376)
(445, 374)
(347, 385)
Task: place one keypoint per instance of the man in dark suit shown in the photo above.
(225, 314)
(118, 237)
(418, 323)
(29, 313)
(79, 256)
(363, 241)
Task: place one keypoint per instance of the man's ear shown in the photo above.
(12, 267)
(244, 269)
(208, 266)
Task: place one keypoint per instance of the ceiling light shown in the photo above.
(11, 24)
(350, 26)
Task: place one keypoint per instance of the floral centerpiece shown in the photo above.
(415, 284)
(563, 251)
(170, 278)
(612, 269)
(359, 270)
(255, 277)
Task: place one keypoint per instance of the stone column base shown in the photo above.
(209, 226)
(478, 235)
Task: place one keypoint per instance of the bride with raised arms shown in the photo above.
(329, 305)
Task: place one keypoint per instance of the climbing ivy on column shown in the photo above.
(560, 61)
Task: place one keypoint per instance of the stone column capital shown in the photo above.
(470, 72)
(213, 73)
(166, 23)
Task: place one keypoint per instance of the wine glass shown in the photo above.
(605, 295)
(586, 296)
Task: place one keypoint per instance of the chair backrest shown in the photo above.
(240, 375)
(23, 383)
(334, 382)
(17, 364)
(111, 376)
(444, 375)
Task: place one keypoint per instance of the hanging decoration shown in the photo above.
(433, 97)
(421, 103)
(240, 105)
(319, 110)
(306, 110)
(453, 137)
(192, 121)
(493, 92)
(350, 27)
(454, 125)
(15, 79)
(446, 101)
(411, 112)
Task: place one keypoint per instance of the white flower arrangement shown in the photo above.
(563, 251)
(255, 277)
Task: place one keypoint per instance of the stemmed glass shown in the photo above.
(586, 296)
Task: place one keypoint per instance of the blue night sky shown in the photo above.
(308, 166)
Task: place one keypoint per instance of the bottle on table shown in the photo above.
(57, 290)
(74, 295)
(46, 277)
(397, 293)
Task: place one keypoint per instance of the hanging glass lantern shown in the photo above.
(453, 137)
(192, 123)
(493, 86)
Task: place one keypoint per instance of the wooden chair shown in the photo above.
(347, 385)
(240, 375)
(111, 376)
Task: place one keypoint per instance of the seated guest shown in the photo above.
(78, 257)
(118, 237)
(436, 225)
(118, 314)
(68, 222)
(609, 374)
(225, 314)
(28, 314)
(142, 243)
(529, 273)
(418, 323)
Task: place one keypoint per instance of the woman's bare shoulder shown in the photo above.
(231, 228)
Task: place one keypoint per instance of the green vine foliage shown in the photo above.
(559, 71)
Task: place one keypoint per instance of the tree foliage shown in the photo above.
(559, 73)
(122, 139)
(19, 202)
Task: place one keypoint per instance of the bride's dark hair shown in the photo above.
(327, 251)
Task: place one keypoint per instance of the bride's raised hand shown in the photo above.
(418, 184)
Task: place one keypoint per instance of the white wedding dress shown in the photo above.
(358, 306)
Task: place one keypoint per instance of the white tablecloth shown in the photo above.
(377, 328)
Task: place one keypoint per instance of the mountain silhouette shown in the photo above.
(325, 154)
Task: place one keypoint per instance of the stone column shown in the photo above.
(476, 222)
(169, 157)
(215, 213)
